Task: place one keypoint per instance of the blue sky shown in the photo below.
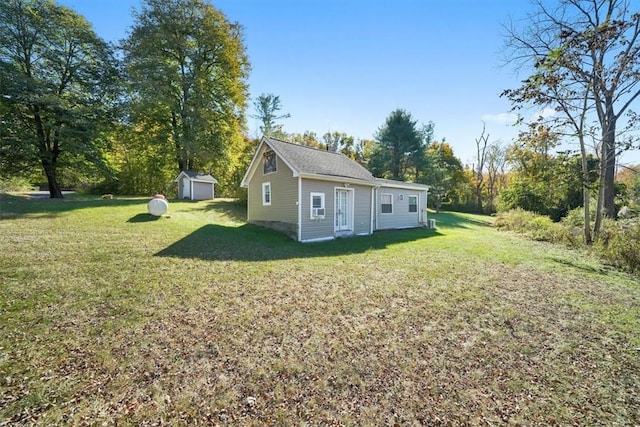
(344, 65)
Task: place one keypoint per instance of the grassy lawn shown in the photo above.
(110, 317)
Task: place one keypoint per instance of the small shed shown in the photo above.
(195, 186)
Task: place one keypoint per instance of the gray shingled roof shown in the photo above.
(308, 160)
(200, 176)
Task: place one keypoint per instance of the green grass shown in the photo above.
(108, 316)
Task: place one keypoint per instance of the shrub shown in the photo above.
(619, 244)
(521, 195)
(15, 184)
(572, 225)
(535, 226)
(544, 229)
(575, 217)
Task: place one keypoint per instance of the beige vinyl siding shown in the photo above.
(325, 228)
(317, 228)
(400, 217)
(284, 195)
(202, 191)
(362, 210)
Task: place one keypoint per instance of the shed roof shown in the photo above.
(198, 176)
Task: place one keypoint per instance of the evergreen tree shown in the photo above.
(399, 147)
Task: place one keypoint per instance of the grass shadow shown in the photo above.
(143, 217)
(231, 208)
(580, 266)
(253, 243)
(18, 205)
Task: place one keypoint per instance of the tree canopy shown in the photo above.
(57, 87)
(267, 107)
(400, 148)
(585, 61)
(187, 68)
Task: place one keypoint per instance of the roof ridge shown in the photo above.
(306, 146)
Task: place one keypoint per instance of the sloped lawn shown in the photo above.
(108, 316)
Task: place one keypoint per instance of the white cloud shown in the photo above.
(506, 118)
(545, 113)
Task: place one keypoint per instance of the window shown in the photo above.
(413, 203)
(269, 162)
(387, 203)
(266, 194)
(317, 205)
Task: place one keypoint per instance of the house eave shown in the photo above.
(181, 174)
(253, 165)
(334, 178)
(402, 185)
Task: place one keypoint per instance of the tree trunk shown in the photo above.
(49, 152)
(586, 197)
(586, 200)
(182, 165)
(50, 171)
(609, 176)
(599, 205)
(609, 149)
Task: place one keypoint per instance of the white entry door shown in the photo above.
(342, 210)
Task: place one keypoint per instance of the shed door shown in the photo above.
(186, 188)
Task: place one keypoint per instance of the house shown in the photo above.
(195, 186)
(313, 194)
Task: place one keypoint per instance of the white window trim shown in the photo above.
(391, 197)
(311, 196)
(264, 186)
(415, 196)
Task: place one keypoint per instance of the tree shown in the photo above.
(546, 183)
(444, 172)
(141, 167)
(531, 154)
(543, 89)
(629, 176)
(399, 147)
(57, 84)
(343, 143)
(334, 140)
(533, 168)
(591, 49)
(308, 138)
(481, 158)
(496, 160)
(267, 107)
(187, 68)
(363, 150)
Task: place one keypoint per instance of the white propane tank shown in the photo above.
(158, 205)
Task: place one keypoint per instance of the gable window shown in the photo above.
(266, 194)
(387, 203)
(269, 162)
(317, 205)
(413, 203)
